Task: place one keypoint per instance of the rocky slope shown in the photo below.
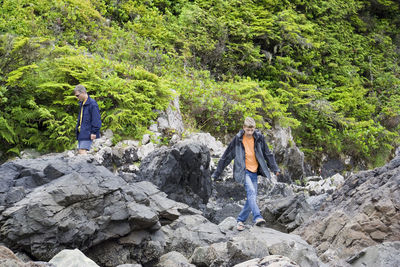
(364, 212)
(113, 210)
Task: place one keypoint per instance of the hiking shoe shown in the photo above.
(260, 222)
(240, 226)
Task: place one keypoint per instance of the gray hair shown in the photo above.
(249, 122)
(80, 88)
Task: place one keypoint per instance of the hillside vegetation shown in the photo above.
(330, 69)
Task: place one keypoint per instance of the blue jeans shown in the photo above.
(250, 185)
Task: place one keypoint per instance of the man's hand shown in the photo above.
(277, 173)
(92, 136)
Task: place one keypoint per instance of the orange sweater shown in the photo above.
(250, 160)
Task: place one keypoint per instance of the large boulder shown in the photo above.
(181, 171)
(256, 243)
(72, 257)
(288, 156)
(81, 205)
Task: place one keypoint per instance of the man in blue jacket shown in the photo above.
(89, 121)
(252, 158)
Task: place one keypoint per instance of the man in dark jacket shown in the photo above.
(252, 157)
(89, 121)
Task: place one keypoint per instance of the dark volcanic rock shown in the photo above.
(181, 171)
(82, 205)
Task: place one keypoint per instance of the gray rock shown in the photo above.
(145, 150)
(86, 206)
(190, 231)
(9, 259)
(72, 258)
(228, 225)
(361, 213)
(173, 259)
(256, 243)
(260, 242)
(181, 171)
(287, 155)
(146, 139)
(216, 147)
(382, 255)
(271, 261)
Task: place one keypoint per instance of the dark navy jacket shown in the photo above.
(91, 121)
(235, 150)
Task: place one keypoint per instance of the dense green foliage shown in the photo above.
(330, 69)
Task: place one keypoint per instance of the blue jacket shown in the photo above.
(91, 121)
(235, 150)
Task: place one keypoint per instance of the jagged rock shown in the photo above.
(281, 207)
(72, 257)
(216, 147)
(173, 259)
(9, 259)
(171, 119)
(145, 150)
(119, 156)
(140, 246)
(256, 242)
(181, 171)
(146, 139)
(271, 261)
(382, 255)
(61, 201)
(228, 225)
(86, 206)
(332, 166)
(190, 231)
(225, 200)
(363, 212)
(328, 185)
(287, 155)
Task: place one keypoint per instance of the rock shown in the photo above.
(322, 186)
(282, 208)
(181, 171)
(9, 259)
(361, 213)
(86, 206)
(287, 155)
(146, 139)
(382, 255)
(228, 225)
(145, 150)
(216, 147)
(256, 243)
(72, 258)
(190, 231)
(332, 166)
(173, 259)
(271, 261)
(291, 246)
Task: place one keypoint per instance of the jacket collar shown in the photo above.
(256, 134)
(87, 101)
